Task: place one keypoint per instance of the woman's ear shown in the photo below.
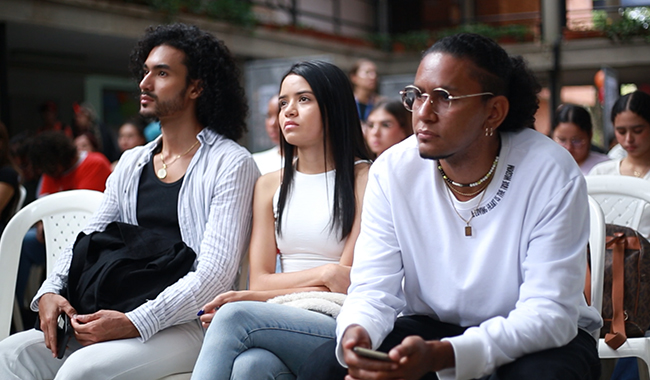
(498, 110)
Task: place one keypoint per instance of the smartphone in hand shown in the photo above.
(63, 333)
(371, 354)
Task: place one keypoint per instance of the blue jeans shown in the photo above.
(32, 253)
(251, 340)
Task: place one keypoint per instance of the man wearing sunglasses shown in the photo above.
(471, 258)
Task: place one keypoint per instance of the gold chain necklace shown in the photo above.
(162, 172)
(468, 226)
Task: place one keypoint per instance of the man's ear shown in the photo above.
(195, 88)
(498, 110)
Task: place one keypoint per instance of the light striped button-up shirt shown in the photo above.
(214, 215)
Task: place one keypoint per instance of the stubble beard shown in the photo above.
(165, 108)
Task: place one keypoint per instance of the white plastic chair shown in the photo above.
(623, 200)
(22, 194)
(63, 214)
(597, 249)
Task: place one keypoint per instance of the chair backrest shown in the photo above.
(622, 198)
(597, 249)
(22, 194)
(64, 215)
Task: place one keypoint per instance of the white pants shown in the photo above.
(174, 350)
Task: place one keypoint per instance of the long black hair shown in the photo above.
(571, 113)
(498, 73)
(222, 105)
(341, 135)
(637, 102)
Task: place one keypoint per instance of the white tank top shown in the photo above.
(307, 239)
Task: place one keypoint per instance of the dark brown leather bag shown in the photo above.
(626, 288)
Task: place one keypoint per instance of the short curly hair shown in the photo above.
(499, 73)
(50, 151)
(222, 105)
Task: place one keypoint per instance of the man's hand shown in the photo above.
(50, 306)
(411, 359)
(102, 326)
(358, 366)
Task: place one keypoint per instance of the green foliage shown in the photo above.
(633, 22)
(422, 39)
(238, 12)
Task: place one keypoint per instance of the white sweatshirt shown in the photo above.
(518, 280)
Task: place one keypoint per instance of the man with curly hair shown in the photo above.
(471, 259)
(194, 183)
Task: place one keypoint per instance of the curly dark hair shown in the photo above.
(50, 151)
(499, 74)
(222, 105)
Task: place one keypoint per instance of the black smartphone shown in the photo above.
(371, 354)
(63, 333)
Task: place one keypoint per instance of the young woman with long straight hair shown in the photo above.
(309, 212)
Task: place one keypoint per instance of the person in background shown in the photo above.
(631, 120)
(86, 142)
(363, 76)
(573, 130)
(28, 176)
(85, 121)
(631, 157)
(271, 160)
(50, 117)
(388, 123)
(63, 168)
(130, 135)
(9, 183)
(152, 130)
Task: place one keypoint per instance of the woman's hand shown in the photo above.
(210, 308)
(336, 277)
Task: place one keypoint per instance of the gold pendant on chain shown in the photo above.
(162, 173)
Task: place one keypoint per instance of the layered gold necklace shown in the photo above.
(485, 181)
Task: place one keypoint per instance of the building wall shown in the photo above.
(29, 88)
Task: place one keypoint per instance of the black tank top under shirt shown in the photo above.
(157, 206)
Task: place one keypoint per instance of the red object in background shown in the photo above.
(599, 81)
(645, 87)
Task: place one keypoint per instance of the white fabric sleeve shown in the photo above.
(547, 311)
(375, 295)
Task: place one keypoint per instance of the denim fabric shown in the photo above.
(290, 334)
(32, 253)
